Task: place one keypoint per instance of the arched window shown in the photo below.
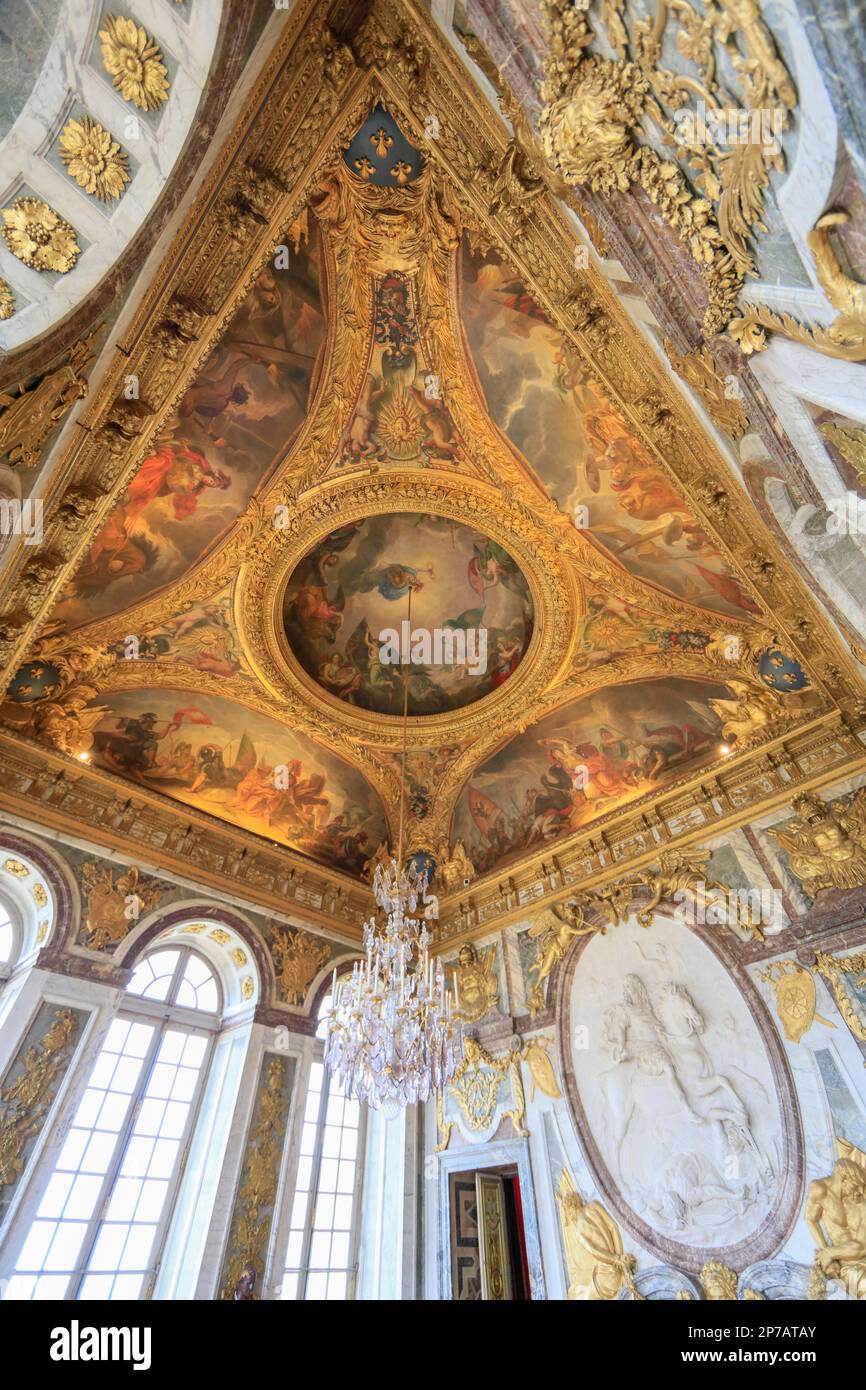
(102, 1220)
(321, 1259)
(7, 937)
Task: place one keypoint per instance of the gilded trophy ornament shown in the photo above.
(93, 158)
(543, 1078)
(795, 997)
(826, 844)
(39, 236)
(7, 300)
(298, 958)
(112, 906)
(134, 63)
(475, 976)
(25, 1102)
(256, 1196)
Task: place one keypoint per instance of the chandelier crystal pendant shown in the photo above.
(394, 1034)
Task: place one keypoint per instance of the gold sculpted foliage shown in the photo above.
(834, 969)
(7, 300)
(94, 159)
(826, 844)
(595, 108)
(836, 1218)
(845, 337)
(254, 1205)
(39, 236)
(134, 63)
(723, 405)
(597, 1265)
(298, 958)
(25, 1102)
(851, 444)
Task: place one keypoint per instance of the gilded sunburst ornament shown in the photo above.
(7, 301)
(94, 158)
(39, 236)
(134, 62)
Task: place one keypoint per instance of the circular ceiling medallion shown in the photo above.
(408, 593)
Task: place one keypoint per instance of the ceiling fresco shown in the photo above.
(231, 426)
(372, 395)
(553, 411)
(585, 759)
(358, 583)
(244, 768)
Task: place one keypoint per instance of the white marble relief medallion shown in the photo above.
(676, 1084)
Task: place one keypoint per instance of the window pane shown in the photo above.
(96, 1286)
(109, 1246)
(66, 1245)
(83, 1198)
(127, 1286)
(317, 1286)
(55, 1194)
(138, 1247)
(123, 1199)
(337, 1286)
(295, 1249)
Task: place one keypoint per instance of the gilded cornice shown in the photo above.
(280, 167)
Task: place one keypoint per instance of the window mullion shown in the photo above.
(315, 1171)
(123, 1138)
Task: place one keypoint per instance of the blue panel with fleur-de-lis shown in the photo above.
(380, 152)
(782, 672)
(37, 680)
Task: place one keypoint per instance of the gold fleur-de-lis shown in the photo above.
(365, 168)
(383, 141)
(401, 171)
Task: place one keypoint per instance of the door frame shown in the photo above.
(513, 1154)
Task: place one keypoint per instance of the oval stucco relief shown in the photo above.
(683, 1103)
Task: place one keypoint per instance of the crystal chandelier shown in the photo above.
(394, 1032)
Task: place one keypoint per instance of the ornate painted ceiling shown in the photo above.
(371, 390)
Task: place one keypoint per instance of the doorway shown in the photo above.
(488, 1241)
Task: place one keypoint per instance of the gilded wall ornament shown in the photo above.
(94, 158)
(476, 1083)
(553, 941)
(698, 370)
(834, 969)
(537, 1058)
(836, 1218)
(112, 906)
(719, 1283)
(851, 443)
(7, 300)
(25, 1101)
(256, 1196)
(596, 1264)
(134, 63)
(795, 997)
(845, 337)
(475, 974)
(298, 958)
(26, 420)
(826, 844)
(39, 236)
(751, 712)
